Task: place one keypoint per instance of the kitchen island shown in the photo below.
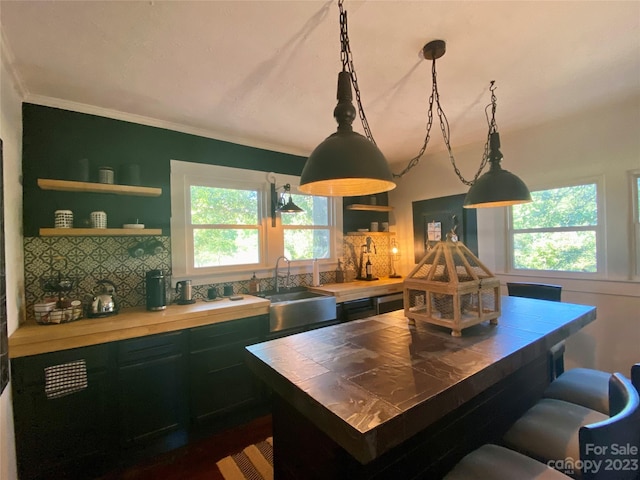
(384, 398)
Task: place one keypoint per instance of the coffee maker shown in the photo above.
(156, 290)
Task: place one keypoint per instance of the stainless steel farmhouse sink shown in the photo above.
(295, 309)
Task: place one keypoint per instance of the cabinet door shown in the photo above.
(68, 435)
(152, 388)
(220, 381)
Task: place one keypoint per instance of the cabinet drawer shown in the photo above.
(30, 370)
(148, 348)
(243, 331)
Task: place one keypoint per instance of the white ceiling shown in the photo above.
(264, 73)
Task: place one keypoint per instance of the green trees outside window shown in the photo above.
(226, 226)
(227, 230)
(557, 231)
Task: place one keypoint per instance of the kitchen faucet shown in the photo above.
(278, 275)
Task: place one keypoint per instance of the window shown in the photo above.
(558, 231)
(225, 226)
(307, 234)
(220, 223)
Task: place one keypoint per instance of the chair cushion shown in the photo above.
(583, 386)
(549, 430)
(491, 462)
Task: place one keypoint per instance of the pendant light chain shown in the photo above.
(347, 64)
(444, 128)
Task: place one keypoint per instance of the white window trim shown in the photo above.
(600, 230)
(273, 244)
(635, 225)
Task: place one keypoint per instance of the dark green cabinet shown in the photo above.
(152, 394)
(58, 437)
(141, 396)
(220, 383)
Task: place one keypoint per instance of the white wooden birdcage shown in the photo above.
(450, 287)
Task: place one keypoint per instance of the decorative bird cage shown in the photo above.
(450, 287)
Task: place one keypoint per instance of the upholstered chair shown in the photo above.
(554, 430)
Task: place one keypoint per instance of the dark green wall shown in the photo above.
(54, 140)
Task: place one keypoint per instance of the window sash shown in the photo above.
(597, 229)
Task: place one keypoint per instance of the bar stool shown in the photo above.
(558, 431)
(543, 291)
(587, 387)
(492, 462)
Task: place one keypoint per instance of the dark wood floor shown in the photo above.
(197, 461)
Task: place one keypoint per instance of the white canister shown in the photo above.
(98, 220)
(63, 219)
(385, 226)
(374, 227)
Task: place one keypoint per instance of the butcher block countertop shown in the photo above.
(32, 338)
(345, 292)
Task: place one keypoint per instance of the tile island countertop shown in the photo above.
(372, 384)
(32, 338)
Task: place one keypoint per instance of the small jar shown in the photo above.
(106, 175)
(63, 219)
(98, 220)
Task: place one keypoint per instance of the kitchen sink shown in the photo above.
(293, 309)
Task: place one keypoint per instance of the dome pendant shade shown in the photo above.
(346, 163)
(497, 187)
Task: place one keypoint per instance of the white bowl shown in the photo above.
(133, 225)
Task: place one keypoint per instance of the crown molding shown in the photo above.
(153, 122)
(8, 60)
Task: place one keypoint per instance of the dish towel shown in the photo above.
(253, 463)
(65, 379)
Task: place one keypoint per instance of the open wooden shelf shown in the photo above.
(369, 208)
(103, 232)
(71, 186)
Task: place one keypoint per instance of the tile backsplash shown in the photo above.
(86, 260)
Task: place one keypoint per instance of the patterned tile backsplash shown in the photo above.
(86, 260)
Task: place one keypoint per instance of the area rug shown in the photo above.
(253, 463)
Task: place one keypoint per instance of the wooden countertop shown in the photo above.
(32, 338)
(371, 384)
(345, 292)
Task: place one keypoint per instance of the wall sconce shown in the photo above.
(279, 201)
(395, 255)
(148, 247)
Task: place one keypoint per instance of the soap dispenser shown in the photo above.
(339, 272)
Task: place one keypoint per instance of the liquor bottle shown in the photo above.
(368, 268)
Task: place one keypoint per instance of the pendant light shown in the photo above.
(346, 163)
(497, 187)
